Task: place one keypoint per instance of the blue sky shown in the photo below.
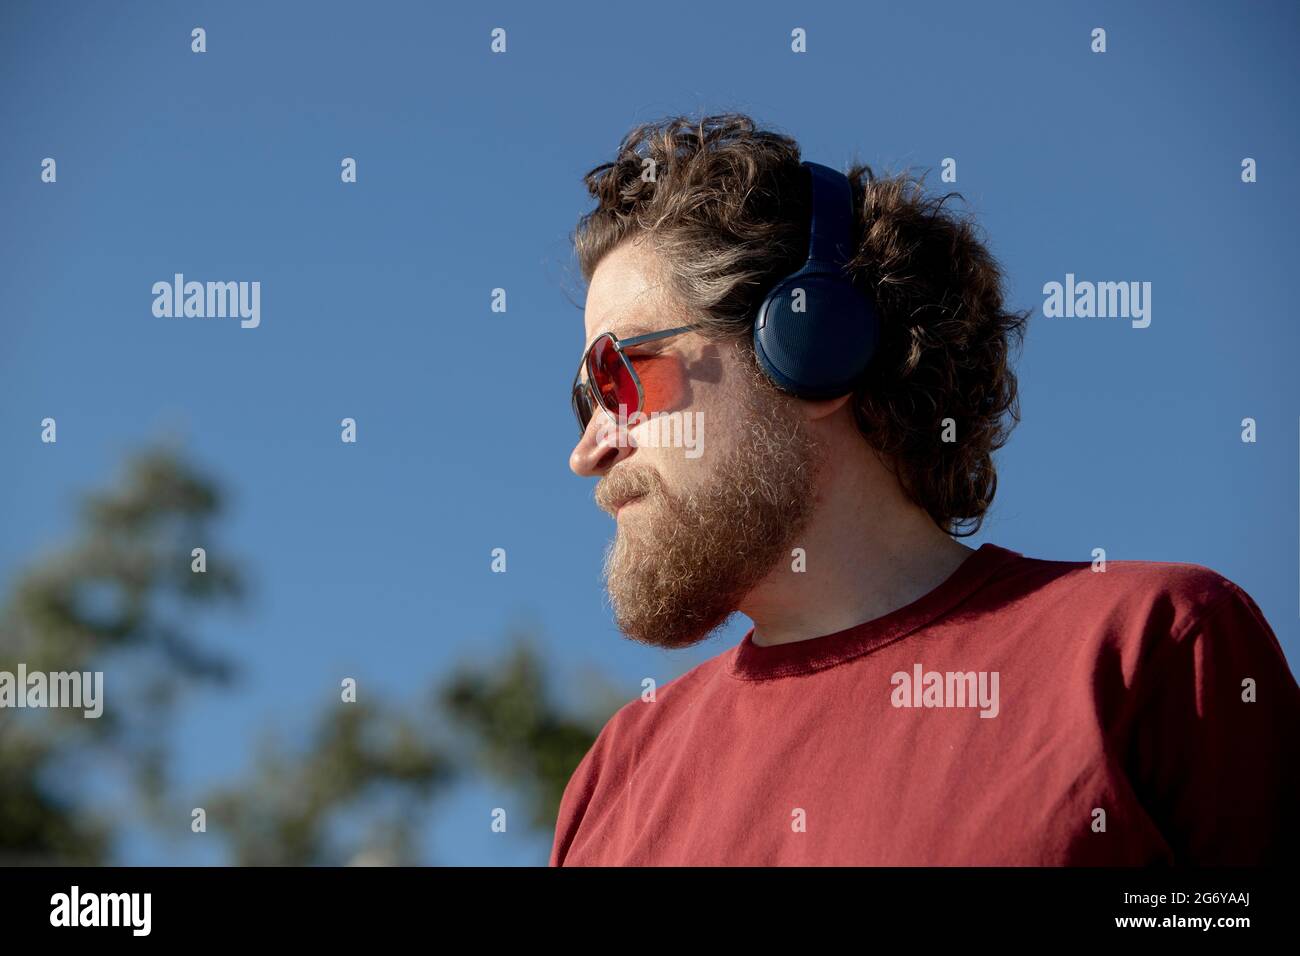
(372, 560)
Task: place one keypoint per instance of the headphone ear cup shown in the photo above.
(814, 335)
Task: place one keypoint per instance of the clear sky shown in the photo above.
(372, 560)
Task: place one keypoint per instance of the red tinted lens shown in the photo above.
(611, 378)
(662, 381)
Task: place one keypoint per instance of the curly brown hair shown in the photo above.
(726, 207)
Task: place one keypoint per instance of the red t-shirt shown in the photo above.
(1024, 712)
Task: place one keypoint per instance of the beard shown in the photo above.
(680, 565)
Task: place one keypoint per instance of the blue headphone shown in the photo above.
(815, 332)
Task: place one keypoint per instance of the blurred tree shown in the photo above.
(289, 809)
(522, 738)
(121, 594)
(122, 597)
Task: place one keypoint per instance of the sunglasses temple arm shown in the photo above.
(653, 336)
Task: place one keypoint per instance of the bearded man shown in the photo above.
(901, 699)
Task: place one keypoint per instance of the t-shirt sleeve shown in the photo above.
(573, 804)
(1214, 749)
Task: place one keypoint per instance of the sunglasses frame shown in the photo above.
(593, 396)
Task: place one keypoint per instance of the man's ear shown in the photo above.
(821, 409)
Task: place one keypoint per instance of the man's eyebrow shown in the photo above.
(628, 331)
(634, 329)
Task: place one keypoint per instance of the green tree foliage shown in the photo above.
(121, 597)
(522, 738)
(362, 761)
(118, 597)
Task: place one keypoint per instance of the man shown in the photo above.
(901, 699)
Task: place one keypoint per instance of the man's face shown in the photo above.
(710, 493)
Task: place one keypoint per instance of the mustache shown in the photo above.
(625, 484)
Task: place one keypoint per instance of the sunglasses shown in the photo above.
(612, 382)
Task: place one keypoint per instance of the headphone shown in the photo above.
(815, 332)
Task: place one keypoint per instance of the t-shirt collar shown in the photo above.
(749, 661)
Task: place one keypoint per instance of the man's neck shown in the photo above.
(867, 551)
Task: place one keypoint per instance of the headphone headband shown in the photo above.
(830, 243)
(815, 332)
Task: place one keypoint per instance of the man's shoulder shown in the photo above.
(1169, 596)
(634, 726)
(639, 717)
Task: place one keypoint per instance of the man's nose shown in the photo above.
(599, 448)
